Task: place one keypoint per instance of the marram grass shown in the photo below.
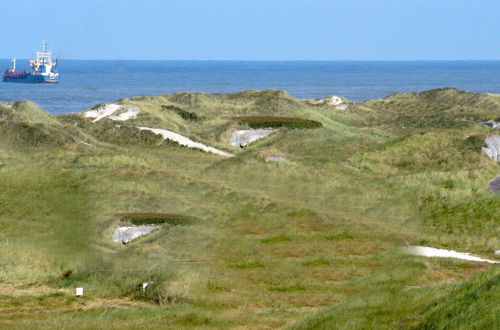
(315, 241)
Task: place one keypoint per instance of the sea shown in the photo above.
(85, 83)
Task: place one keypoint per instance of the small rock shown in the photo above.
(275, 159)
(497, 252)
(145, 285)
(492, 124)
(411, 287)
(156, 255)
(494, 184)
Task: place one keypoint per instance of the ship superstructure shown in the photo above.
(42, 69)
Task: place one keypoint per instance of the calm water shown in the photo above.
(86, 83)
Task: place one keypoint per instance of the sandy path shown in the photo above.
(426, 251)
(184, 141)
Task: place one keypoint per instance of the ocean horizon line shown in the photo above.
(269, 61)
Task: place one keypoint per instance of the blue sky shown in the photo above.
(254, 29)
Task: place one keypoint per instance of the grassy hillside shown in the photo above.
(315, 241)
(446, 108)
(473, 304)
(23, 124)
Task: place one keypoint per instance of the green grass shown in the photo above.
(473, 304)
(110, 132)
(313, 242)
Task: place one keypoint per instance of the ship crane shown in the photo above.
(43, 64)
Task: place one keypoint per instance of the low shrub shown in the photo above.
(316, 262)
(66, 274)
(339, 237)
(187, 115)
(249, 265)
(275, 122)
(156, 218)
(276, 239)
(156, 294)
(287, 288)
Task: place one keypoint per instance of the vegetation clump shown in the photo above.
(187, 115)
(156, 293)
(277, 122)
(66, 274)
(139, 219)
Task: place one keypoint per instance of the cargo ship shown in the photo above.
(42, 70)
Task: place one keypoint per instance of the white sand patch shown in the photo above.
(112, 111)
(184, 141)
(128, 233)
(425, 251)
(102, 112)
(125, 112)
(242, 138)
(341, 107)
(332, 100)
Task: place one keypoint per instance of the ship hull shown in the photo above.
(27, 79)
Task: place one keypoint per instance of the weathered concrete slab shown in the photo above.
(128, 233)
(492, 149)
(242, 138)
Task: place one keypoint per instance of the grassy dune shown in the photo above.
(315, 241)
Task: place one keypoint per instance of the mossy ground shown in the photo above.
(312, 242)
